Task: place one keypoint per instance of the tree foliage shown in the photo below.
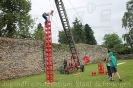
(127, 22)
(77, 31)
(62, 38)
(112, 41)
(124, 49)
(15, 20)
(38, 33)
(89, 35)
(80, 33)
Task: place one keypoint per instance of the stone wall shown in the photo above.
(23, 57)
(95, 53)
(19, 58)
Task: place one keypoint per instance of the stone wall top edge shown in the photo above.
(17, 39)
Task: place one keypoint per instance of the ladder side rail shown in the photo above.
(66, 27)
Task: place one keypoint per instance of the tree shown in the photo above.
(124, 49)
(39, 26)
(62, 38)
(127, 22)
(77, 31)
(15, 19)
(80, 33)
(39, 33)
(89, 37)
(112, 41)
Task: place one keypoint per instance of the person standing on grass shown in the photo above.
(65, 63)
(107, 60)
(113, 66)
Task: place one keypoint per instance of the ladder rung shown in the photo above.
(66, 27)
(65, 18)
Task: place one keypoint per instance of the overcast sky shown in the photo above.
(103, 16)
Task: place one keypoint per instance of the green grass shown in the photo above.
(85, 80)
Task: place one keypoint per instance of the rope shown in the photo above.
(50, 5)
(50, 10)
(55, 15)
(76, 11)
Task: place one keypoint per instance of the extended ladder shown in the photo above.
(66, 27)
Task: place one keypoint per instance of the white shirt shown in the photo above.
(48, 14)
(107, 63)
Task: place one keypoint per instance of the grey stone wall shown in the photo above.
(19, 58)
(95, 53)
(23, 57)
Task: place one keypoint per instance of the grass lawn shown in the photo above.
(85, 80)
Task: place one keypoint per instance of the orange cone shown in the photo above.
(79, 74)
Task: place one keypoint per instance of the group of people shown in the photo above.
(111, 63)
(110, 59)
(66, 63)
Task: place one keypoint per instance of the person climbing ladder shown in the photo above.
(45, 14)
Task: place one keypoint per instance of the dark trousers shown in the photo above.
(44, 16)
(109, 71)
(65, 66)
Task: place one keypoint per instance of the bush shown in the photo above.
(124, 51)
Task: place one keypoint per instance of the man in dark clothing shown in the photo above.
(65, 63)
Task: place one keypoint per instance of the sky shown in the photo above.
(103, 16)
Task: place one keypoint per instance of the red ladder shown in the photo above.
(48, 53)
